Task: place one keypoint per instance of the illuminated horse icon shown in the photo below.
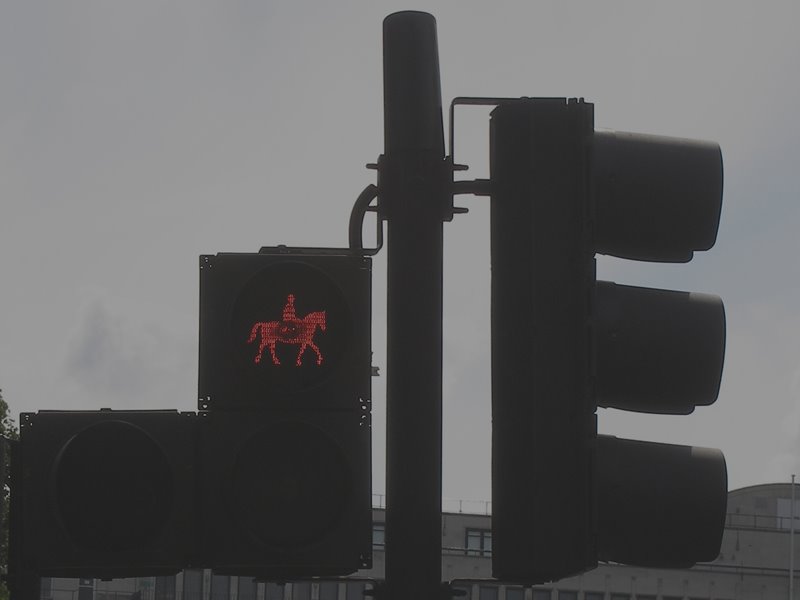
(289, 330)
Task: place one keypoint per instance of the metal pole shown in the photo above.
(413, 196)
(791, 545)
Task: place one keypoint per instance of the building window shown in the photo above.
(273, 591)
(645, 597)
(355, 590)
(46, 588)
(379, 535)
(515, 593)
(620, 597)
(165, 587)
(193, 584)
(220, 587)
(567, 595)
(328, 590)
(488, 592)
(541, 594)
(595, 595)
(479, 542)
(85, 589)
(246, 589)
(301, 590)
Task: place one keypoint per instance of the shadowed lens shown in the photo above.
(113, 487)
(290, 485)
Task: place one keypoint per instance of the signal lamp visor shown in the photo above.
(656, 198)
(657, 351)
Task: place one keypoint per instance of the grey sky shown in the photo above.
(135, 136)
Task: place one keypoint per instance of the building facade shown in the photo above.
(753, 564)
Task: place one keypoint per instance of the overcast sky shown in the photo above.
(135, 136)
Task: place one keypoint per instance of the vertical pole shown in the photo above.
(791, 545)
(413, 196)
(22, 581)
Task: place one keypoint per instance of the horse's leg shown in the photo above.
(261, 345)
(299, 362)
(316, 349)
(275, 360)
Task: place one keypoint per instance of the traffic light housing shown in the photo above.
(284, 392)
(287, 493)
(271, 477)
(286, 328)
(564, 343)
(104, 493)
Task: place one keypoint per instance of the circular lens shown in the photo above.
(291, 485)
(289, 328)
(113, 487)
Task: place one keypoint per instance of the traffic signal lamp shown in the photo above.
(284, 391)
(287, 494)
(104, 493)
(284, 328)
(564, 344)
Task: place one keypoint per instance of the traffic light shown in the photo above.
(271, 477)
(564, 344)
(284, 399)
(285, 327)
(104, 493)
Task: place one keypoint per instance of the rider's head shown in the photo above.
(288, 310)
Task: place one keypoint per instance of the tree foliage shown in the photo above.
(8, 430)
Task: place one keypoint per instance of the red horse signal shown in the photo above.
(289, 330)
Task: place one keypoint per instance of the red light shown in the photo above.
(289, 330)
